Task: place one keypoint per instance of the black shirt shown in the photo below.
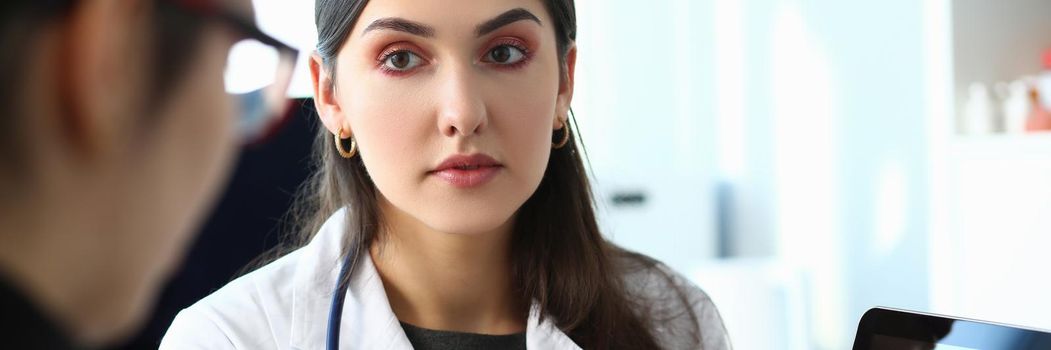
(23, 325)
(426, 339)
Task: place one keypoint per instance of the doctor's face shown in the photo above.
(453, 105)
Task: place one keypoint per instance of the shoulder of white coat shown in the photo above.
(196, 331)
(251, 312)
(681, 313)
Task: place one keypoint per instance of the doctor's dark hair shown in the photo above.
(560, 259)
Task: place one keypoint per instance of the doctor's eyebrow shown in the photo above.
(401, 25)
(420, 29)
(511, 16)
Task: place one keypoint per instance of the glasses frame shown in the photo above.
(246, 28)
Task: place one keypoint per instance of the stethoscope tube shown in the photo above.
(335, 313)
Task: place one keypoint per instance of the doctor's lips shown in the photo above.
(466, 171)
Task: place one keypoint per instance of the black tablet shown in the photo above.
(886, 329)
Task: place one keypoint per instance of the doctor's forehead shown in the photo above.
(459, 16)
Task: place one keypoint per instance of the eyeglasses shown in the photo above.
(258, 70)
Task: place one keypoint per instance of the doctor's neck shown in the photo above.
(448, 281)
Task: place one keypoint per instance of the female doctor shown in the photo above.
(452, 208)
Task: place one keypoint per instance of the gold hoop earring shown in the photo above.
(565, 136)
(339, 145)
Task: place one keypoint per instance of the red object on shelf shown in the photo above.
(1040, 117)
(1047, 59)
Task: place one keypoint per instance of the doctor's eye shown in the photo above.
(506, 54)
(401, 60)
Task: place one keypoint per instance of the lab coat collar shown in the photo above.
(368, 321)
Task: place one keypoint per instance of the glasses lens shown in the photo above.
(258, 75)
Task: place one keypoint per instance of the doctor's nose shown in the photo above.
(461, 109)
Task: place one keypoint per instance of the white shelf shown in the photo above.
(1004, 145)
(999, 197)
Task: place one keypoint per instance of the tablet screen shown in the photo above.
(883, 342)
(886, 329)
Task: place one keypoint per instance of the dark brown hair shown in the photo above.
(560, 259)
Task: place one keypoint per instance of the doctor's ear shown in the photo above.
(325, 102)
(566, 80)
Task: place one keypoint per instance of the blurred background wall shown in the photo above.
(800, 160)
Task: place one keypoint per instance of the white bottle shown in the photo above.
(1015, 106)
(978, 111)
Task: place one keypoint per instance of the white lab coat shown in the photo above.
(285, 305)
